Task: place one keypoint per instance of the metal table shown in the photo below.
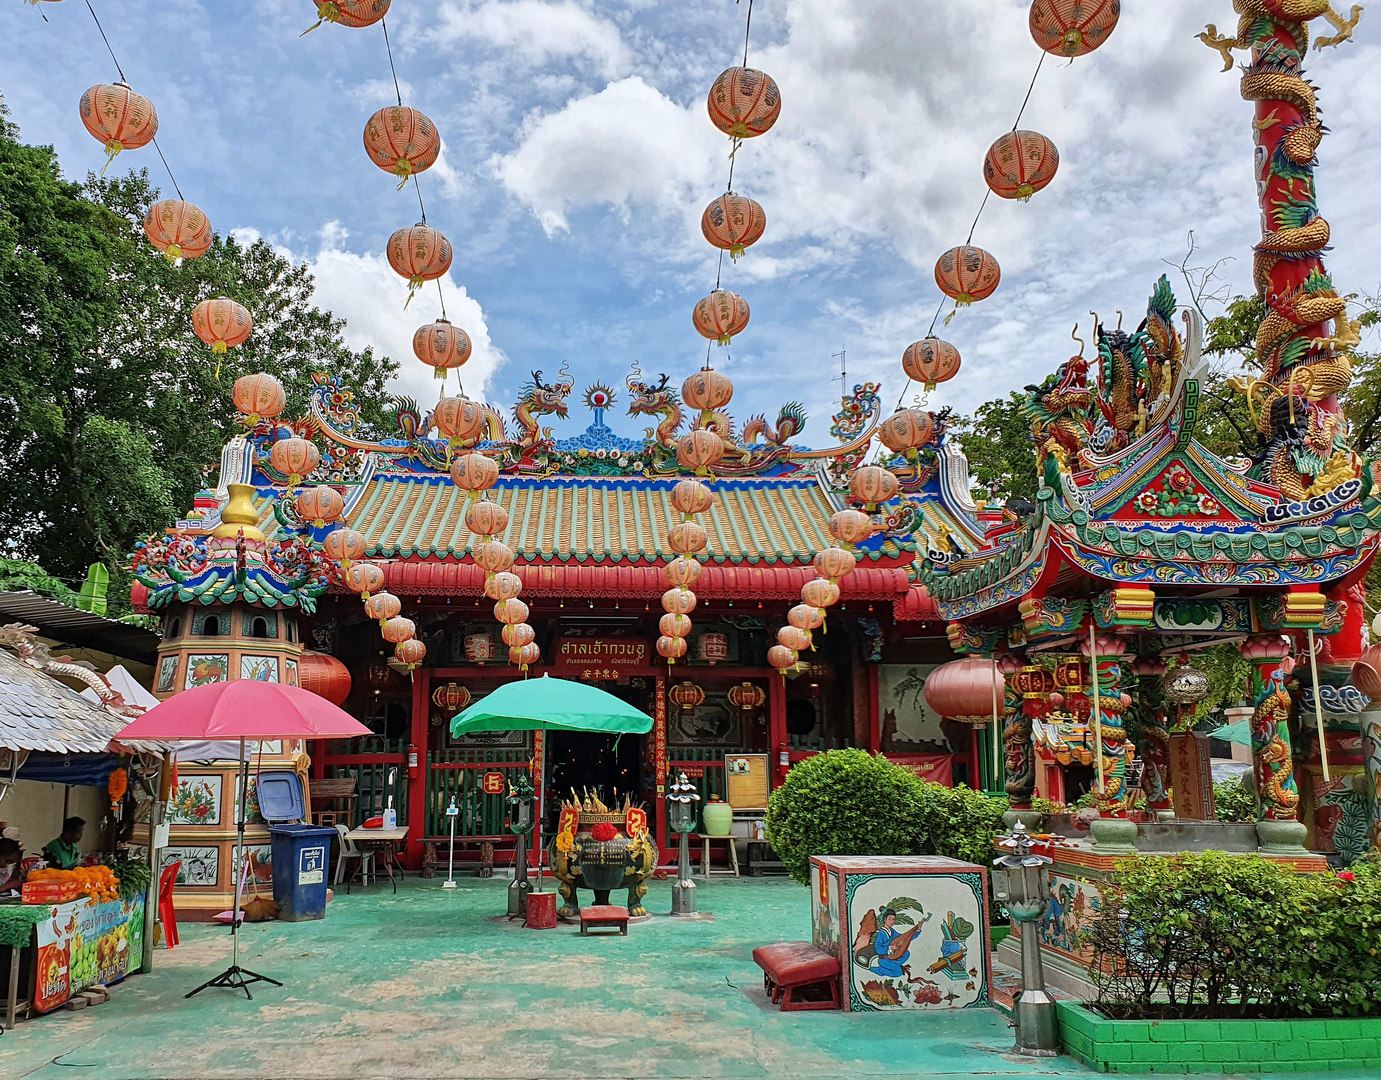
(386, 841)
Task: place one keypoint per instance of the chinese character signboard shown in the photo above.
(601, 658)
(493, 783)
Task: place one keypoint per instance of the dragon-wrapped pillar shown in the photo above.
(1114, 798)
(1028, 692)
(1303, 340)
(1154, 746)
(1273, 768)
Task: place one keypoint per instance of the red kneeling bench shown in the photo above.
(793, 968)
(603, 916)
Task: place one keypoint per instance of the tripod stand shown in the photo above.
(236, 977)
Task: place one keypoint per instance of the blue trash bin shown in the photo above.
(301, 853)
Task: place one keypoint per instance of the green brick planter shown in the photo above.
(1218, 1046)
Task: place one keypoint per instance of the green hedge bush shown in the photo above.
(851, 802)
(1217, 935)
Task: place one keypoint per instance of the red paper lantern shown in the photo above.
(873, 484)
(178, 229)
(967, 274)
(119, 118)
(805, 616)
(342, 545)
(963, 690)
(459, 419)
(485, 518)
(494, 555)
(1073, 27)
(834, 563)
(324, 676)
(511, 611)
(474, 472)
(691, 497)
(516, 635)
(671, 648)
(930, 361)
(732, 223)
(699, 450)
(747, 697)
(221, 323)
(364, 578)
(851, 526)
(382, 606)
(684, 572)
(451, 698)
(524, 656)
(259, 396)
(678, 601)
(399, 629)
(781, 658)
(1019, 164)
(352, 13)
(294, 458)
(410, 652)
(442, 347)
(402, 141)
(673, 625)
(686, 696)
(720, 316)
(503, 586)
(707, 390)
(320, 505)
(906, 429)
(820, 593)
(744, 103)
(420, 254)
(794, 638)
(687, 537)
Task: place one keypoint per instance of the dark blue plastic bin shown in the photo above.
(301, 855)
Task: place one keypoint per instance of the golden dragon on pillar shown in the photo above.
(1303, 341)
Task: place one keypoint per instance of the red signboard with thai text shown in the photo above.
(601, 658)
(937, 768)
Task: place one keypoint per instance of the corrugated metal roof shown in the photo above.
(774, 521)
(39, 713)
(73, 626)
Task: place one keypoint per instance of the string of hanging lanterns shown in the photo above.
(1018, 165)
(121, 119)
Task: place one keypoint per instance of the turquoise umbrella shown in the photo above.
(548, 704)
(1240, 732)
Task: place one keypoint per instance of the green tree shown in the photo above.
(112, 412)
(1225, 425)
(997, 442)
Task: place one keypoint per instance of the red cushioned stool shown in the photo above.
(798, 967)
(604, 916)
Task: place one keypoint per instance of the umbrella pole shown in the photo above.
(236, 977)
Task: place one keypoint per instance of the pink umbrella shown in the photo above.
(243, 709)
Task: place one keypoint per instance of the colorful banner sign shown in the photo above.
(83, 943)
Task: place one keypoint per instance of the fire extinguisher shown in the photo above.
(414, 769)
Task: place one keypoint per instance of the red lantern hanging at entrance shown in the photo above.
(524, 656)
(451, 698)
(699, 450)
(930, 361)
(967, 274)
(794, 638)
(820, 593)
(402, 141)
(686, 696)
(747, 697)
(1073, 27)
(352, 13)
(459, 420)
(399, 629)
(873, 485)
(474, 472)
(683, 572)
(494, 556)
(503, 586)
(442, 347)
(516, 635)
(511, 611)
(178, 229)
(420, 254)
(692, 497)
(834, 563)
(673, 625)
(320, 505)
(851, 526)
(364, 578)
(906, 430)
(744, 102)
(294, 458)
(343, 545)
(1019, 164)
(687, 538)
(720, 316)
(259, 396)
(806, 617)
(732, 223)
(485, 518)
(707, 391)
(119, 118)
(964, 690)
(781, 658)
(221, 323)
(678, 601)
(410, 652)
(671, 648)
(383, 606)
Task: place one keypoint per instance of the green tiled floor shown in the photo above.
(430, 984)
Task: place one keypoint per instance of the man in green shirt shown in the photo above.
(65, 852)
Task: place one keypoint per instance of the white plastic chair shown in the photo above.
(348, 850)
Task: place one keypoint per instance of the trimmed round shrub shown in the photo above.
(850, 802)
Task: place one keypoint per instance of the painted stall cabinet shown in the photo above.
(910, 932)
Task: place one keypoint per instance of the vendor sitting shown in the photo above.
(11, 865)
(65, 852)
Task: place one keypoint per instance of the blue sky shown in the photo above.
(578, 158)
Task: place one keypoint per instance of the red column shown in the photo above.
(417, 784)
(539, 773)
(776, 725)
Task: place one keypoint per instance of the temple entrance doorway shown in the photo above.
(607, 765)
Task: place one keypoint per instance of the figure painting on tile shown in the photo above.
(1072, 904)
(826, 921)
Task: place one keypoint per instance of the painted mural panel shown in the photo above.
(907, 721)
(196, 800)
(259, 668)
(824, 910)
(203, 668)
(1073, 904)
(167, 672)
(200, 865)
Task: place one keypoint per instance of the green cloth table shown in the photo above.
(17, 920)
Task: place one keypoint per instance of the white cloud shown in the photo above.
(537, 32)
(627, 144)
